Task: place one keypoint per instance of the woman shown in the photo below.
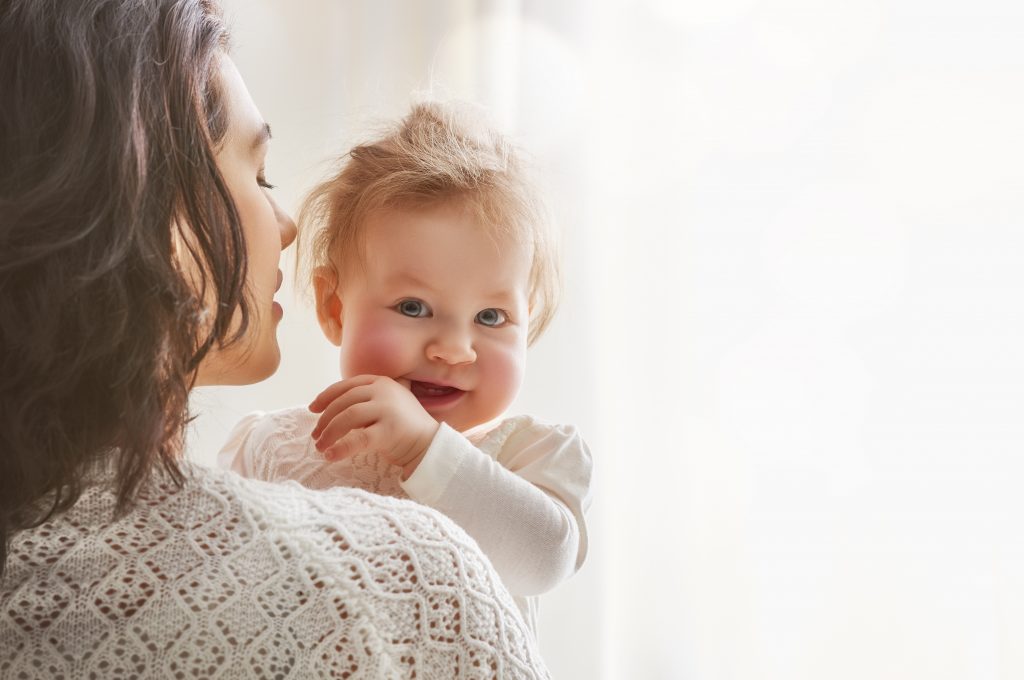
(139, 249)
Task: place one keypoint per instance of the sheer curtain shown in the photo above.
(793, 317)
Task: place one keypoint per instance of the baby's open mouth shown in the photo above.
(425, 390)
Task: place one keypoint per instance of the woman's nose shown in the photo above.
(286, 224)
(452, 348)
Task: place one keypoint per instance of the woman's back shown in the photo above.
(231, 578)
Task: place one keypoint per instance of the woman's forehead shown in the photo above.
(246, 127)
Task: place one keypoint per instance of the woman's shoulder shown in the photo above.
(236, 570)
(218, 521)
(403, 560)
(398, 545)
(292, 509)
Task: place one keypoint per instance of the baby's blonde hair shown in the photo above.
(439, 152)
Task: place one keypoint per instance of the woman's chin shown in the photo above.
(236, 366)
(260, 368)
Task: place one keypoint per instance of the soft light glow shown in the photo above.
(794, 315)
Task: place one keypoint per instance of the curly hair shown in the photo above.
(438, 152)
(112, 114)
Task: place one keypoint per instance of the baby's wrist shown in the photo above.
(418, 450)
(411, 466)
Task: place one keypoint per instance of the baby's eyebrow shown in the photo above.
(504, 296)
(405, 277)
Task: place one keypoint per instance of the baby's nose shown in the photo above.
(452, 348)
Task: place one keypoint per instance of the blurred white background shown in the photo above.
(793, 329)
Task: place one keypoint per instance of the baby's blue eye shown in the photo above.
(413, 308)
(492, 317)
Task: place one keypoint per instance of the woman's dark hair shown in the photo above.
(110, 119)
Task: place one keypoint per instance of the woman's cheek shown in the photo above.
(374, 349)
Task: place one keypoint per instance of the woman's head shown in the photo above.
(438, 154)
(123, 242)
(241, 160)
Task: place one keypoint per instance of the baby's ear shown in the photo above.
(328, 304)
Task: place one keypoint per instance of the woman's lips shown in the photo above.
(433, 396)
(275, 306)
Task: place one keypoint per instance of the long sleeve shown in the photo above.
(521, 493)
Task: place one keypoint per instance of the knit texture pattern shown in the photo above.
(236, 578)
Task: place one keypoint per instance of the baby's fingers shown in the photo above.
(356, 395)
(353, 442)
(338, 389)
(358, 416)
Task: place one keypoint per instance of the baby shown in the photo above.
(433, 270)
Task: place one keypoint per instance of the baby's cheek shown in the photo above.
(504, 372)
(375, 349)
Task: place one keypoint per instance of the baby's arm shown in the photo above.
(524, 506)
(523, 502)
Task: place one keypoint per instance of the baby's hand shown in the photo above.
(372, 413)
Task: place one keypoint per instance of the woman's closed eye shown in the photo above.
(261, 179)
(413, 308)
(492, 317)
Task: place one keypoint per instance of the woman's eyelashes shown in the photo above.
(261, 179)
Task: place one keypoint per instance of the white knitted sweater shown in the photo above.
(235, 578)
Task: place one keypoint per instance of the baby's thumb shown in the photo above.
(404, 382)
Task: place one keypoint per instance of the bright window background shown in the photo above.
(793, 327)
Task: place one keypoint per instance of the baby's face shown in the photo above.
(443, 305)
